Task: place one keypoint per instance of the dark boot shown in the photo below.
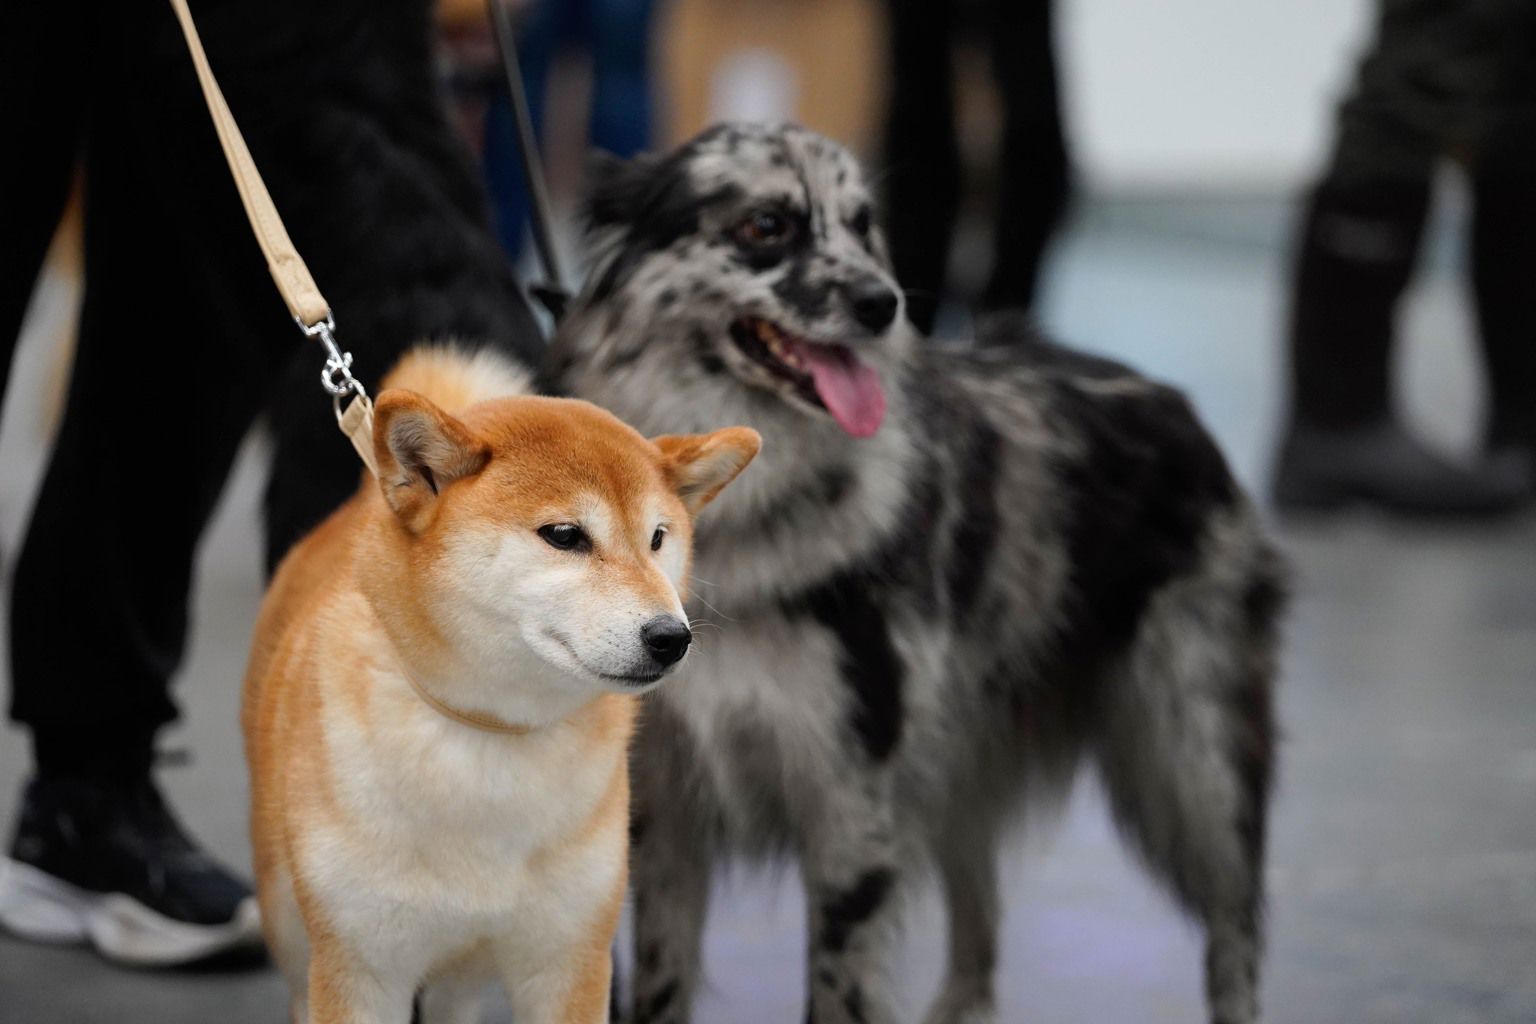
(1327, 468)
(1503, 258)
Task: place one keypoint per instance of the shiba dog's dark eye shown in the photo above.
(566, 537)
(661, 531)
(862, 221)
(765, 228)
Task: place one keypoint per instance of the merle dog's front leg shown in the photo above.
(670, 861)
(850, 867)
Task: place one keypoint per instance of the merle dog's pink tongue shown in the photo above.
(850, 390)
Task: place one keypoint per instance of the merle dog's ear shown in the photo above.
(617, 188)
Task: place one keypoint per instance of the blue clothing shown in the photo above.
(616, 34)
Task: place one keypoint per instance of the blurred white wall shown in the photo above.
(1227, 94)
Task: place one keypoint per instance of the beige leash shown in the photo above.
(310, 311)
(309, 308)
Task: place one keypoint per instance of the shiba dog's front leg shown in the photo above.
(850, 865)
(345, 990)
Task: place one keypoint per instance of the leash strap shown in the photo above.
(289, 273)
(552, 293)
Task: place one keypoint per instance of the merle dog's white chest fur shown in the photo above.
(761, 702)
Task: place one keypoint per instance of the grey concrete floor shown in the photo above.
(1403, 867)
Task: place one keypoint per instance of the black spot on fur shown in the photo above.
(833, 484)
(798, 290)
(667, 298)
(975, 535)
(851, 605)
(1265, 598)
(1252, 752)
(842, 913)
(652, 200)
(649, 1010)
(799, 507)
(624, 356)
(1141, 490)
(649, 957)
(1256, 735)
(868, 660)
(705, 352)
(1144, 492)
(853, 1002)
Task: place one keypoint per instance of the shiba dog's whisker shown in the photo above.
(718, 613)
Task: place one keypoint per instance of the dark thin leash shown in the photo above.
(551, 292)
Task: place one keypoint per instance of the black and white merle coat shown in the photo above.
(1040, 557)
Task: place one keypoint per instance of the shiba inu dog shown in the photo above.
(442, 686)
(955, 574)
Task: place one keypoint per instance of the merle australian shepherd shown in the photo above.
(954, 575)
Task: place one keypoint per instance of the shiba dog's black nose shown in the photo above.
(667, 639)
(874, 305)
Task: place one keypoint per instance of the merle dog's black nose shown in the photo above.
(874, 305)
(667, 638)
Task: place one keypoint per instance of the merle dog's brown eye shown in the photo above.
(764, 228)
(661, 531)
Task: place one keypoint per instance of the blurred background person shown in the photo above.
(1444, 79)
(615, 38)
(922, 151)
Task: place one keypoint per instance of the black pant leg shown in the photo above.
(1360, 230)
(1033, 183)
(1356, 251)
(922, 180)
(180, 337)
(1503, 238)
(41, 121)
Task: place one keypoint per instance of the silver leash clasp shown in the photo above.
(336, 377)
(356, 418)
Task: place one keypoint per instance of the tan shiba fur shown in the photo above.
(400, 850)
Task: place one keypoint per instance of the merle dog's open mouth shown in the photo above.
(764, 344)
(827, 375)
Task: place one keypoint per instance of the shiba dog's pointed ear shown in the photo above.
(700, 465)
(420, 450)
(617, 188)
